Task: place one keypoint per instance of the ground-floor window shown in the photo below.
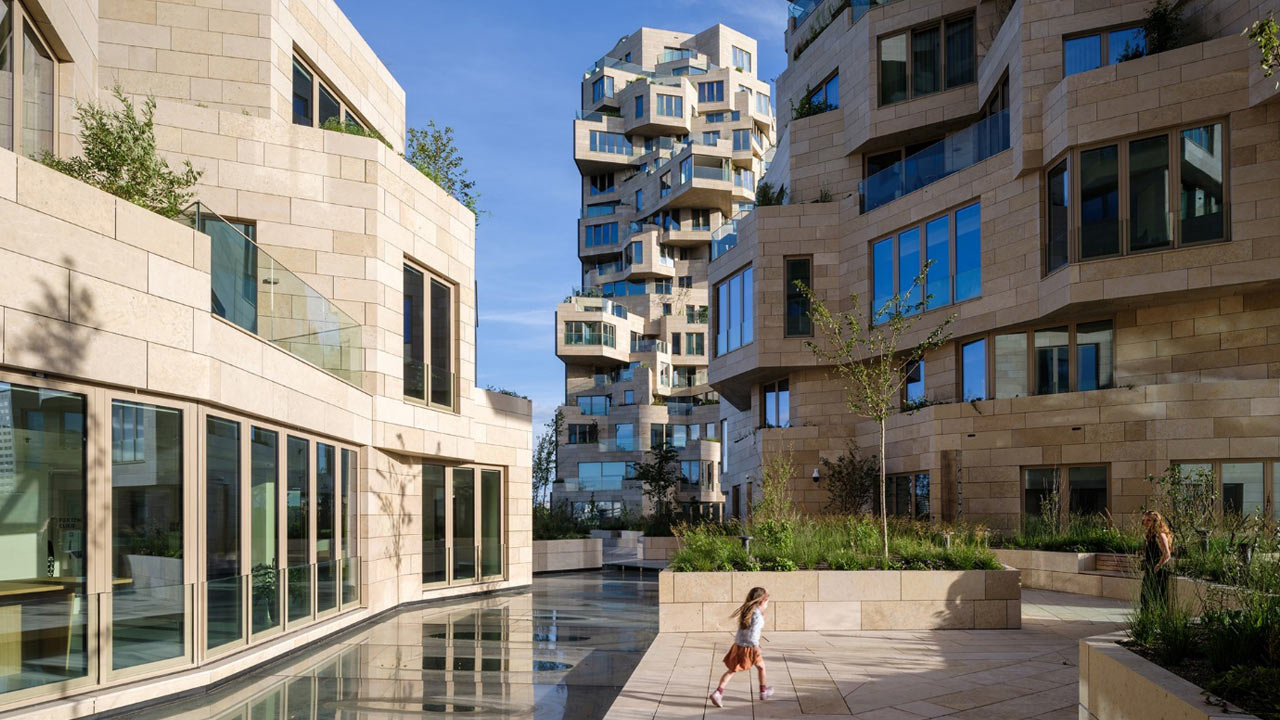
(1064, 491)
(1246, 487)
(906, 495)
(462, 524)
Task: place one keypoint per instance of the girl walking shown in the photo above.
(745, 653)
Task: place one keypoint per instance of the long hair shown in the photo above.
(755, 596)
(1158, 525)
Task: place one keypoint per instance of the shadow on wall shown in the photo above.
(392, 505)
(61, 348)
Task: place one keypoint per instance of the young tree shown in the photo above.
(864, 355)
(659, 478)
(119, 156)
(775, 501)
(851, 481)
(432, 150)
(544, 460)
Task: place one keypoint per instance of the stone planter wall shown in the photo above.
(573, 554)
(845, 600)
(658, 548)
(1077, 573)
(1117, 684)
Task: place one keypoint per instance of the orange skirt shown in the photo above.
(742, 658)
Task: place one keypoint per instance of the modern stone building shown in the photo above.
(673, 133)
(1103, 220)
(228, 435)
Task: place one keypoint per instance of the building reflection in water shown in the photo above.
(560, 652)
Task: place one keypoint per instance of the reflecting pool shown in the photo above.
(560, 651)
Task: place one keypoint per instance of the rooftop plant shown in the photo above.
(435, 153)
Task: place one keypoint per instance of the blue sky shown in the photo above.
(505, 76)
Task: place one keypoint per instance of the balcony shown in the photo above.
(945, 157)
(649, 345)
(725, 237)
(255, 292)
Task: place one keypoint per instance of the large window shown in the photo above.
(583, 433)
(593, 404)
(472, 549)
(624, 436)
(580, 332)
(1087, 52)
(428, 338)
(147, 529)
(827, 93)
(669, 105)
(927, 60)
(1080, 490)
(28, 84)
(1149, 193)
(776, 400)
(222, 532)
(906, 496)
(435, 540)
(593, 476)
(799, 272)
(610, 142)
(601, 184)
(952, 244)
(1247, 487)
(1074, 357)
(602, 88)
(711, 91)
(741, 59)
(605, 234)
(735, 316)
(315, 103)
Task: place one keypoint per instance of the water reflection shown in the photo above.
(560, 652)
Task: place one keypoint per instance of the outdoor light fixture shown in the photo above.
(816, 476)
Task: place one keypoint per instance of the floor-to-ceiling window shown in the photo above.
(429, 338)
(264, 529)
(222, 539)
(464, 523)
(326, 516)
(43, 600)
(298, 510)
(149, 598)
(491, 545)
(350, 526)
(463, 533)
(435, 540)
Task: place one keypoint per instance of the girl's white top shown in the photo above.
(750, 636)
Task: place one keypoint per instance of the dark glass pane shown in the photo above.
(326, 516)
(882, 275)
(1244, 488)
(973, 360)
(491, 523)
(350, 514)
(434, 540)
(222, 520)
(1149, 193)
(937, 235)
(926, 61)
(264, 526)
(6, 75)
(298, 509)
(1087, 488)
(1081, 54)
(1039, 485)
(44, 608)
(1052, 361)
(1059, 218)
(968, 252)
(441, 344)
(909, 270)
(1201, 200)
(149, 597)
(414, 348)
(960, 52)
(915, 383)
(921, 493)
(1094, 355)
(464, 524)
(1126, 44)
(303, 97)
(1099, 202)
(893, 69)
(798, 322)
(329, 107)
(234, 270)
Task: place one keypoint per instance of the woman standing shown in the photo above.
(1157, 553)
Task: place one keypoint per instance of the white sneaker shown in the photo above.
(717, 699)
(766, 692)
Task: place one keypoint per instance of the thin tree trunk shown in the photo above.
(884, 508)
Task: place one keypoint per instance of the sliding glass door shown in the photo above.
(435, 538)
(326, 516)
(462, 525)
(298, 508)
(264, 532)
(224, 623)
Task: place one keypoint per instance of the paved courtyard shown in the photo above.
(898, 675)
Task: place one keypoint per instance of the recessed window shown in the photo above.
(605, 234)
(583, 433)
(913, 386)
(640, 106)
(906, 496)
(580, 332)
(952, 244)
(734, 312)
(26, 61)
(315, 102)
(711, 91)
(741, 59)
(602, 183)
(601, 88)
(798, 271)
(610, 142)
(973, 369)
(927, 60)
(828, 93)
(1151, 193)
(593, 404)
(1081, 490)
(1041, 359)
(669, 105)
(1087, 52)
(428, 337)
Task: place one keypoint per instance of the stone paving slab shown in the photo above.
(882, 675)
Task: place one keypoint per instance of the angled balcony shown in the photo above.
(253, 291)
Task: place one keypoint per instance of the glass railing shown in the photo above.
(725, 237)
(599, 304)
(262, 296)
(428, 384)
(648, 345)
(800, 10)
(588, 337)
(950, 155)
(711, 173)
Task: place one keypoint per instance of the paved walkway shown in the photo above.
(882, 675)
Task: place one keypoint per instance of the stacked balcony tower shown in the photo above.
(674, 130)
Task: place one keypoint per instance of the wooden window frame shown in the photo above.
(317, 80)
(1104, 43)
(479, 579)
(429, 275)
(1029, 332)
(1075, 236)
(941, 25)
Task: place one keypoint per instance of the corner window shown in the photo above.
(1151, 193)
(602, 88)
(927, 60)
(953, 242)
(1087, 52)
(734, 312)
(601, 184)
(799, 270)
(428, 338)
(580, 332)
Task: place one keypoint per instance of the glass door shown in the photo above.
(435, 538)
(224, 621)
(298, 508)
(492, 549)
(326, 515)
(464, 524)
(264, 530)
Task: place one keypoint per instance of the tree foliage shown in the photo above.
(775, 503)
(809, 107)
(433, 151)
(1188, 499)
(766, 195)
(544, 460)
(1265, 34)
(864, 355)
(659, 478)
(119, 156)
(850, 480)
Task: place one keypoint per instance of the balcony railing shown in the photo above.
(945, 157)
(725, 237)
(257, 293)
(588, 337)
(648, 345)
(712, 173)
(800, 10)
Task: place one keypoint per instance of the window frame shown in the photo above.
(790, 292)
(940, 25)
(429, 276)
(1104, 44)
(771, 399)
(922, 251)
(1064, 486)
(20, 19)
(345, 111)
(1031, 375)
(1075, 236)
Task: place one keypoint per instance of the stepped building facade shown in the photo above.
(234, 432)
(674, 132)
(1098, 213)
